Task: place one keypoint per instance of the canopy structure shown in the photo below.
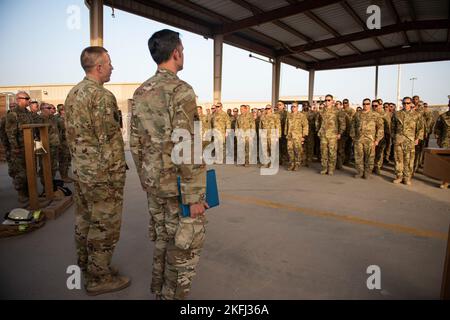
(309, 34)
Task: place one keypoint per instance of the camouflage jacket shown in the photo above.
(367, 125)
(162, 104)
(348, 120)
(3, 135)
(62, 130)
(282, 116)
(406, 124)
(221, 122)
(442, 130)
(270, 123)
(93, 134)
(14, 119)
(330, 123)
(245, 121)
(312, 116)
(206, 124)
(386, 118)
(53, 130)
(296, 125)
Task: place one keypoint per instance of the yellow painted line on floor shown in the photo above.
(330, 215)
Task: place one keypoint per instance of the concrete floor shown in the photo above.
(294, 235)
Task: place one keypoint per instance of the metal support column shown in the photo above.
(96, 22)
(218, 52)
(276, 67)
(311, 86)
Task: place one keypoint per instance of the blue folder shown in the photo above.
(212, 193)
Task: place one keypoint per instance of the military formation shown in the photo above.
(22, 112)
(337, 135)
(87, 132)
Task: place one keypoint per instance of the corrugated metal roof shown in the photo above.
(258, 32)
(337, 18)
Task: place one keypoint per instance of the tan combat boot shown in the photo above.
(444, 185)
(109, 284)
(407, 181)
(397, 180)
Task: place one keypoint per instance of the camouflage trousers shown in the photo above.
(64, 160)
(284, 153)
(244, 158)
(8, 161)
(419, 154)
(308, 148)
(328, 151)
(178, 244)
(18, 171)
(404, 153)
(53, 164)
(364, 156)
(295, 151)
(389, 148)
(98, 217)
(379, 153)
(341, 154)
(348, 150)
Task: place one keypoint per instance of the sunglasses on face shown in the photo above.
(25, 98)
(328, 100)
(366, 104)
(406, 102)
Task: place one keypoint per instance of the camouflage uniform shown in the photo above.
(222, 122)
(272, 124)
(329, 124)
(282, 116)
(98, 159)
(420, 146)
(406, 129)
(348, 148)
(63, 150)
(442, 130)
(296, 129)
(310, 139)
(342, 156)
(246, 122)
(161, 104)
(54, 142)
(388, 137)
(366, 130)
(206, 123)
(382, 145)
(14, 119)
(427, 123)
(6, 145)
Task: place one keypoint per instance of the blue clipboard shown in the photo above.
(212, 193)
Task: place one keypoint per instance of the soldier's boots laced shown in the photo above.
(108, 284)
(323, 172)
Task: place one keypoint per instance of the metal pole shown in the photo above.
(311, 86)
(218, 52)
(96, 22)
(376, 82)
(276, 66)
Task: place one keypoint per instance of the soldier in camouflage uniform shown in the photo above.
(417, 106)
(348, 146)
(245, 122)
(442, 133)
(221, 122)
(341, 156)
(271, 123)
(330, 126)
(428, 124)
(382, 144)
(6, 146)
(407, 131)
(14, 119)
(98, 159)
(308, 145)
(206, 121)
(296, 129)
(162, 104)
(63, 150)
(53, 140)
(281, 113)
(366, 131)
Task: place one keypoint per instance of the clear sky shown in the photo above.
(39, 47)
